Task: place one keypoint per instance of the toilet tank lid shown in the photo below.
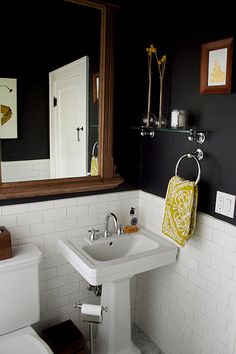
(23, 256)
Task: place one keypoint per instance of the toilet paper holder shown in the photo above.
(93, 309)
(103, 308)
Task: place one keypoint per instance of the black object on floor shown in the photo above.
(65, 338)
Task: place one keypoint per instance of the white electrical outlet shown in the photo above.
(225, 204)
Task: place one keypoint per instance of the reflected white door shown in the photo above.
(68, 119)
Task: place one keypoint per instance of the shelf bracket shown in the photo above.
(144, 132)
(199, 137)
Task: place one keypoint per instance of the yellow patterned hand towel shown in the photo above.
(179, 219)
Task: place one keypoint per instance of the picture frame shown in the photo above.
(216, 66)
(95, 87)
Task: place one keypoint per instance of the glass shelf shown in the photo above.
(198, 135)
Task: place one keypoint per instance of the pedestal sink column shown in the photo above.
(114, 334)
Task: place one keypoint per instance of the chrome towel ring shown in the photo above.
(189, 156)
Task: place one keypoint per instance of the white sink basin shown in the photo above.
(112, 258)
(120, 247)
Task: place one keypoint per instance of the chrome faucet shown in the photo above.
(114, 218)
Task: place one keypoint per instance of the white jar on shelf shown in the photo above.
(182, 118)
(178, 118)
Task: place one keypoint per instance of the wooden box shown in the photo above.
(5, 243)
(65, 338)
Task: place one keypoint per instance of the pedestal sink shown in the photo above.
(112, 262)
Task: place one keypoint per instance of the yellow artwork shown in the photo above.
(216, 66)
(217, 74)
(8, 108)
(6, 114)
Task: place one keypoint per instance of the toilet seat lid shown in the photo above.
(23, 343)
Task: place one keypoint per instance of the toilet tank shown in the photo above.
(19, 288)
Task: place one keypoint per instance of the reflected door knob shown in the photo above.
(78, 130)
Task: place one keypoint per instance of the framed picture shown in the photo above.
(216, 66)
(95, 87)
(8, 108)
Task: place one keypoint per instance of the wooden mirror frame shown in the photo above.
(107, 178)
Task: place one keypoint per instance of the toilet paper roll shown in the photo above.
(88, 309)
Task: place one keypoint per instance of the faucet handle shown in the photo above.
(106, 233)
(120, 229)
(93, 236)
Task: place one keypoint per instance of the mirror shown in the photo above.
(65, 149)
(101, 28)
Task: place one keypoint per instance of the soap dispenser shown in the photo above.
(133, 227)
(133, 219)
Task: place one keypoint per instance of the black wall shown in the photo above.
(150, 163)
(45, 36)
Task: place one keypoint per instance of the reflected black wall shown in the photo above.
(45, 37)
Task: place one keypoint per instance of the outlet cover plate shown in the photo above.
(225, 204)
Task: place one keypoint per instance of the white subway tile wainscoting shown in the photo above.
(185, 308)
(26, 170)
(189, 306)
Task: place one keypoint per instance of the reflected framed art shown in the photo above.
(8, 108)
